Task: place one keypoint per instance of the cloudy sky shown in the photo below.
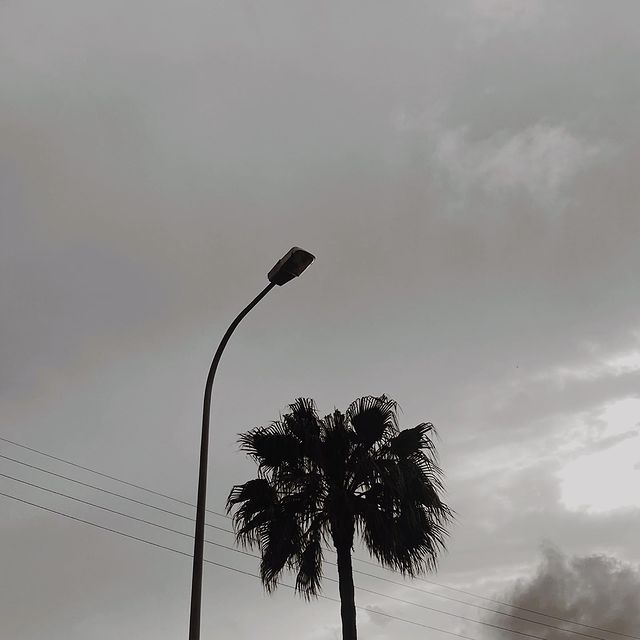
(466, 173)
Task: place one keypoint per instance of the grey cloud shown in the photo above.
(596, 590)
(547, 399)
(540, 161)
(542, 414)
(601, 444)
(503, 515)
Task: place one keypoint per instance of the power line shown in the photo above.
(94, 524)
(127, 515)
(477, 606)
(106, 475)
(224, 566)
(513, 606)
(98, 473)
(432, 582)
(111, 493)
(114, 511)
(253, 555)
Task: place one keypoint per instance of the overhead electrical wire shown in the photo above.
(98, 473)
(235, 569)
(414, 588)
(253, 555)
(111, 493)
(230, 568)
(235, 550)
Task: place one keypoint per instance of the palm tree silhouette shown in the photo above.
(328, 479)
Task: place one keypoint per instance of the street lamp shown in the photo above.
(291, 265)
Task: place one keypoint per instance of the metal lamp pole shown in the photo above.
(287, 268)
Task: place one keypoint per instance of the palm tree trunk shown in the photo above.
(347, 598)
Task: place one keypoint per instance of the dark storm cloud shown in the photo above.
(596, 590)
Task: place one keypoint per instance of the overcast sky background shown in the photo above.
(467, 175)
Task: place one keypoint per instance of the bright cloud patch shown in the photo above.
(539, 160)
(508, 11)
(608, 478)
(627, 362)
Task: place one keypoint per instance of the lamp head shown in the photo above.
(290, 266)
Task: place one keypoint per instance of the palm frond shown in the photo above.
(303, 494)
(309, 561)
(303, 421)
(336, 448)
(408, 442)
(279, 543)
(408, 541)
(375, 522)
(423, 537)
(259, 493)
(271, 447)
(401, 515)
(372, 418)
(429, 469)
(416, 446)
(259, 503)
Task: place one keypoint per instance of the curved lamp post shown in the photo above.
(287, 268)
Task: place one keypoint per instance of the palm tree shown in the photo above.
(328, 479)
